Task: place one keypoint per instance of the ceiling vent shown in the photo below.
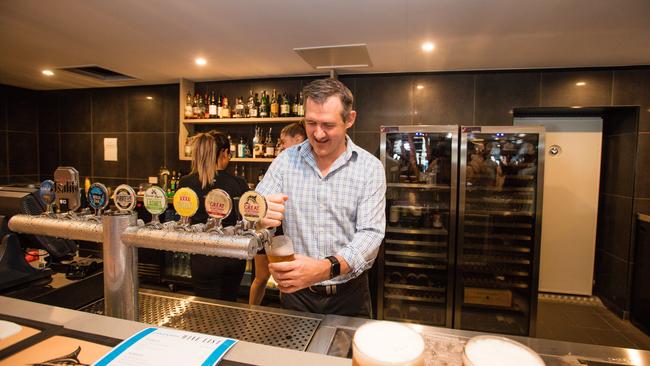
(336, 57)
(98, 72)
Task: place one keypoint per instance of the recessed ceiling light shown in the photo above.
(428, 47)
(149, 97)
(200, 61)
(576, 106)
(47, 72)
(581, 83)
(420, 86)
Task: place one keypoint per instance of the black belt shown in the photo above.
(333, 290)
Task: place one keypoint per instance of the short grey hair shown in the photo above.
(321, 89)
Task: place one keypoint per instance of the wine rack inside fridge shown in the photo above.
(498, 229)
(416, 263)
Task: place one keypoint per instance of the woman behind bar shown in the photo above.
(290, 135)
(214, 277)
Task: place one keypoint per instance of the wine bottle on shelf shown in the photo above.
(270, 147)
(201, 107)
(294, 106)
(275, 107)
(188, 106)
(264, 105)
(212, 109)
(285, 108)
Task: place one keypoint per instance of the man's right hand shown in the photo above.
(275, 211)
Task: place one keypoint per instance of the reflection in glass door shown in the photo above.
(416, 263)
(499, 229)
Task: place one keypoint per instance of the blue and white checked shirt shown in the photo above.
(342, 213)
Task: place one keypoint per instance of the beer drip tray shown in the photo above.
(191, 314)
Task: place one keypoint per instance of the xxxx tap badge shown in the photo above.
(124, 198)
(252, 206)
(47, 191)
(218, 204)
(186, 202)
(155, 200)
(97, 196)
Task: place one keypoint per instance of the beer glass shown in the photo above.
(495, 350)
(280, 249)
(387, 343)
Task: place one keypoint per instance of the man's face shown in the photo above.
(287, 141)
(325, 127)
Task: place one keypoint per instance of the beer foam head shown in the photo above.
(388, 342)
(281, 246)
(493, 351)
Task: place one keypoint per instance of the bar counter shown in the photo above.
(328, 344)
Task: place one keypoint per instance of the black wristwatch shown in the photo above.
(335, 269)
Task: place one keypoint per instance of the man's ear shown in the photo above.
(352, 116)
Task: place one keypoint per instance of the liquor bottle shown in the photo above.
(260, 176)
(242, 173)
(275, 107)
(219, 106)
(301, 106)
(236, 173)
(241, 148)
(250, 102)
(201, 107)
(239, 108)
(225, 109)
(254, 105)
(270, 147)
(206, 106)
(172, 184)
(264, 105)
(285, 107)
(188, 147)
(258, 145)
(188, 106)
(233, 147)
(212, 110)
(195, 106)
(294, 106)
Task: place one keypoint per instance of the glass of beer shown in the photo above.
(280, 249)
(383, 343)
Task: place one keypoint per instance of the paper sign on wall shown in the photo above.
(110, 149)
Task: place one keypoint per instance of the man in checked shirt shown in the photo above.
(330, 196)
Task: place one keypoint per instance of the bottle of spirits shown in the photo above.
(294, 106)
(233, 147)
(285, 107)
(301, 106)
(225, 108)
(275, 106)
(219, 106)
(212, 109)
(201, 107)
(241, 148)
(260, 176)
(254, 103)
(240, 110)
(264, 105)
(258, 144)
(269, 146)
(188, 106)
(206, 106)
(195, 106)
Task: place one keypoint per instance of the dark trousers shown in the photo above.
(349, 299)
(217, 277)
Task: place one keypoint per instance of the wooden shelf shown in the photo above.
(251, 160)
(230, 121)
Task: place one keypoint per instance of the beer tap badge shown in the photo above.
(155, 200)
(47, 192)
(252, 206)
(97, 196)
(124, 198)
(67, 188)
(186, 202)
(218, 204)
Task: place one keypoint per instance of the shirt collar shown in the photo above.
(351, 151)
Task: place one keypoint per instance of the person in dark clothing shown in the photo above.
(214, 277)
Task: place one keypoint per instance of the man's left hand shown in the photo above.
(300, 273)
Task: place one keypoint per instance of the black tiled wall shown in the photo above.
(19, 139)
(74, 123)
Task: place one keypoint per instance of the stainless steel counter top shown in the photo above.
(332, 336)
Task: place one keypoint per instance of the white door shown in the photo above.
(570, 207)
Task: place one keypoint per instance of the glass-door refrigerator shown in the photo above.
(416, 262)
(499, 228)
